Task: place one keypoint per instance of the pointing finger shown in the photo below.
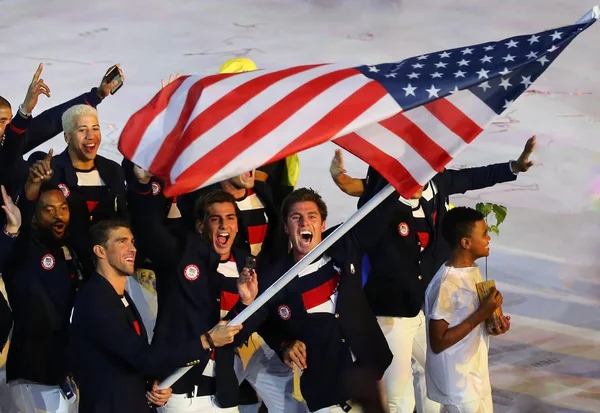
(37, 73)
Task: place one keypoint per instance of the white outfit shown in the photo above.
(458, 377)
(270, 377)
(29, 397)
(204, 404)
(404, 379)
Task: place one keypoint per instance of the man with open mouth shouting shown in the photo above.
(322, 319)
(202, 270)
(42, 274)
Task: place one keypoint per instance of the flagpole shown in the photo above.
(295, 270)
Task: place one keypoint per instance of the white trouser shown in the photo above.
(484, 405)
(199, 404)
(28, 397)
(405, 377)
(338, 409)
(272, 380)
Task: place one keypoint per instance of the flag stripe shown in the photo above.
(395, 173)
(418, 140)
(216, 122)
(454, 119)
(139, 122)
(299, 108)
(480, 113)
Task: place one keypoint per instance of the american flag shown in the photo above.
(407, 119)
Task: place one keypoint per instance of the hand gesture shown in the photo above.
(13, 213)
(337, 165)
(41, 171)
(523, 163)
(223, 334)
(158, 397)
(106, 87)
(171, 79)
(503, 326)
(491, 302)
(294, 355)
(141, 174)
(247, 286)
(36, 88)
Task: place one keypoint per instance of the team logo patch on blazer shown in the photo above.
(156, 188)
(191, 272)
(48, 262)
(64, 189)
(284, 312)
(403, 229)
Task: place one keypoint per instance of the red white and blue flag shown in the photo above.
(407, 119)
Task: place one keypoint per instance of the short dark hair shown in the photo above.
(4, 104)
(459, 223)
(213, 197)
(100, 232)
(49, 186)
(303, 195)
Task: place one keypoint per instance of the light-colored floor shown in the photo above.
(546, 259)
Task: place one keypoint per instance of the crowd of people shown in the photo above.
(386, 320)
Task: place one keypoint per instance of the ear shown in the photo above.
(66, 137)
(199, 226)
(99, 252)
(285, 228)
(465, 243)
(323, 225)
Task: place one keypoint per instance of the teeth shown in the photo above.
(305, 233)
(223, 234)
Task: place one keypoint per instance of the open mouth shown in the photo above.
(89, 147)
(129, 260)
(306, 237)
(222, 238)
(59, 227)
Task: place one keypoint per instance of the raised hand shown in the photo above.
(337, 164)
(247, 286)
(13, 213)
(106, 87)
(36, 88)
(171, 79)
(41, 170)
(142, 175)
(523, 163)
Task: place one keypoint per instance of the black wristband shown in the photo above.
(211, 343)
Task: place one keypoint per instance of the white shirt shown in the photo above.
(460, 373)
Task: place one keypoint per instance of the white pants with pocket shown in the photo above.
(29, 397)
(484, 405)
(181, 403)
(270, 377)
(404, 379)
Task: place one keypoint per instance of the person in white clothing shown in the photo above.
(456, 367)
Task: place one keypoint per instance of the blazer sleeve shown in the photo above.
(460, 181)
(119, 340)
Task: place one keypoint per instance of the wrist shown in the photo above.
(11, 231)
(24, 112)
(205, 343)
(513, 166)
(209, 341)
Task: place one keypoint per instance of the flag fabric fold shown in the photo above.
(407, 119)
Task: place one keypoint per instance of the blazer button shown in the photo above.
(343, 340)
(337, 315)
(420, 277)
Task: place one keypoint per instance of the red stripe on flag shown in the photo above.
(138, 123)
(161, 163)
(257, 234)
(320, 294)
(231, 102)
(336, 120)
(201, 170)
(424, 145)
(454, 119)
(390, 168)
(228, 300)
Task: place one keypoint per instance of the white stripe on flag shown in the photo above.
(298, 123)
(473, 107)
(385, 107)
(243, 115)
(393, 145)
(436, 130)
(162, 125)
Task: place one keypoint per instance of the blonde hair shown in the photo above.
(68, 118)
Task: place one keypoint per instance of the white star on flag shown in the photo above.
(512, 43)
(413, 75)
(505, 84)
(556, 35)
(409, 89)
(433, 92)
(526, 81)
(483, 73)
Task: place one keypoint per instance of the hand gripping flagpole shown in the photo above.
(295, 270)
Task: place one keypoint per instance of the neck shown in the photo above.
(79, 163)
(228, 187)
(115, 278)
(461, 259)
